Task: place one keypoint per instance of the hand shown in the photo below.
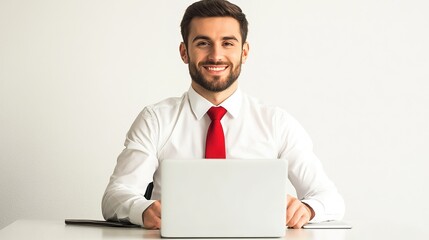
(152, 216)
(297, 213)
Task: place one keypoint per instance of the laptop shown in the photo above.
(223, 198)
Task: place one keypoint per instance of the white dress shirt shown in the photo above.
(177, 128)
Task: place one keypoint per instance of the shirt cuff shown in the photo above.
(318, 208)
(137, 209)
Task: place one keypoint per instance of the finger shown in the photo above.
(301, 221)
(154, 223)
(151, 221)
(157, 223)
(157, 208)
(152, 216)
(303, 217)
(298, 213)
(293, 217)
(293, 206)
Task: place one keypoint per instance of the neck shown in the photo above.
(215, 98)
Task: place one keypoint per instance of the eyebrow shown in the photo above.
(202, 37)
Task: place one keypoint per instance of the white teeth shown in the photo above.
(216, 68)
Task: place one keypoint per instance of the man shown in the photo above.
(214, 47)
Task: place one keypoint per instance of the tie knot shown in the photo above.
(216, 113)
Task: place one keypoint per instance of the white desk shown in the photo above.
(57, 230)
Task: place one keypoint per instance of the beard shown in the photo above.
(216, 84)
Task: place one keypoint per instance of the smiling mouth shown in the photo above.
(216, 68)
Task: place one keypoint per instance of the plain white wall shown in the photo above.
(74, 75)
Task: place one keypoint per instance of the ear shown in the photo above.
(245, 52)
(183, 53)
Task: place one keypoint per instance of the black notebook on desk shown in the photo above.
(89, 222)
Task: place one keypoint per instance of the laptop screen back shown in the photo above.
(223, 198)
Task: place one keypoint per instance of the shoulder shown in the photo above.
(276, 116)
(156, 115)
(166, 106)
(168, 103)
(256, 106)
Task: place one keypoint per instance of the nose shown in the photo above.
(216, 53)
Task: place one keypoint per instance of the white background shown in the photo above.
(74, 75)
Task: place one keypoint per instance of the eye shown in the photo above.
(203, 44)
(228, 44)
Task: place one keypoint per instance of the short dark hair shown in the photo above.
(213, 8)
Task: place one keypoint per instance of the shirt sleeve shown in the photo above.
(306, 173)
(124, 199)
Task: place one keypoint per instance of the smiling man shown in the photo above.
(214, 47)
(214, 51)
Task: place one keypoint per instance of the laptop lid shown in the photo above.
(223, 198)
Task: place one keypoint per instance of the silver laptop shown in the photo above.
(223, 198)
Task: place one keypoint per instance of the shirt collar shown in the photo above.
(200, 105)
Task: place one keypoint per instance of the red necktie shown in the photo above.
(215, 143)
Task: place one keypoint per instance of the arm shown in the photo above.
(313, 187)
(124, 198)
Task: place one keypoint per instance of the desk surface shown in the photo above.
(47, 230)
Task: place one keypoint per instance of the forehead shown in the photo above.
(214, 28)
